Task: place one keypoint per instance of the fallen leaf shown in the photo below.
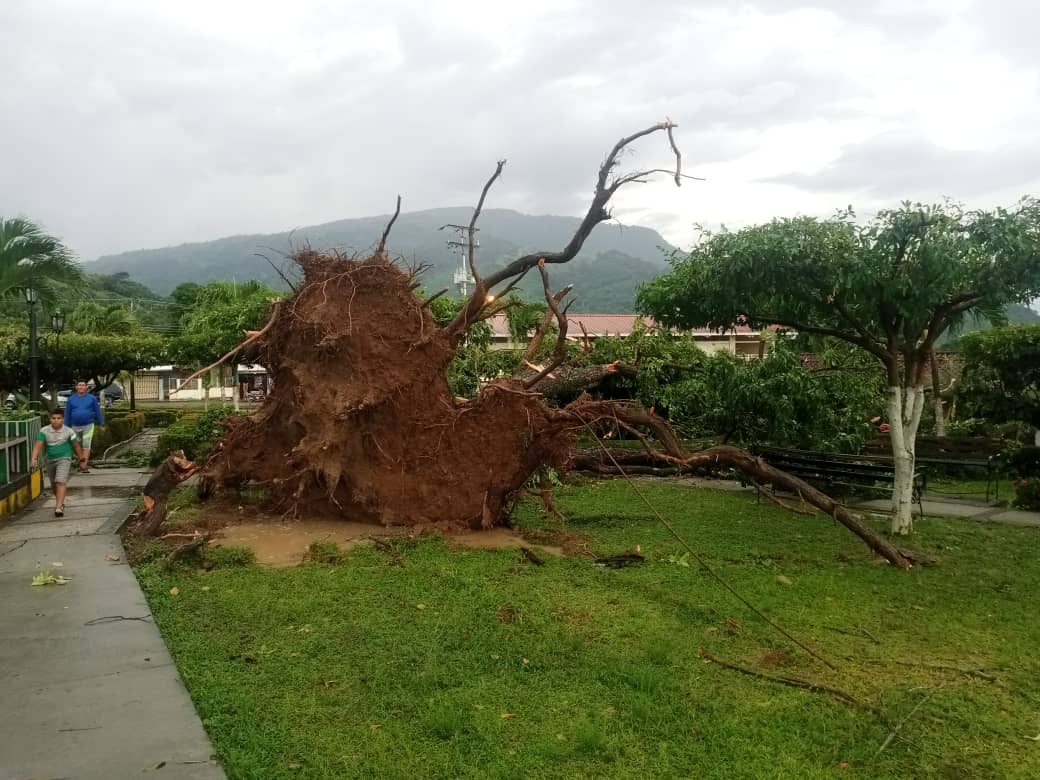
(48, 578)
(843, 765)
(784, 580)
(174, 590)
(420, 606)
(505, 715)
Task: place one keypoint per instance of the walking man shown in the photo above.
(81, 412)
(60, 441)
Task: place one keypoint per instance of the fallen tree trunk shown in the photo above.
(634, 417)
(570, 382)
(170, 473)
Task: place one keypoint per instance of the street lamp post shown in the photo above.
(31, 299)
(57, 326)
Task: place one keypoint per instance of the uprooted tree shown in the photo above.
(362, 422)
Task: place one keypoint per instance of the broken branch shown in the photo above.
(560, 354)
(390, 224)
(794, 682)
(473, 220)
(253, 337)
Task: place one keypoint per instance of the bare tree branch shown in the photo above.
(473, 222)
(390, 224)
(597, 212)
(561, 338)
(678, 155)
(539, 333)
(277, 270)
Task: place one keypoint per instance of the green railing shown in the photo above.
(16, 442)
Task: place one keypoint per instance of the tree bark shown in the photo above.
(904, 412)
(568, 381)
(937, 396)
(170, 473)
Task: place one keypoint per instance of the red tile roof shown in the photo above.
(609, 325)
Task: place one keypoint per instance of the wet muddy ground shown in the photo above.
(280, 543)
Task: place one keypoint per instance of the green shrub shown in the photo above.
(325, 552)
(161, 418)
(225, 557)
(117, 429)
(195, 435)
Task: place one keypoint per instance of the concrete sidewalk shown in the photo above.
(948, 507)
(86, 694)
(935, 506)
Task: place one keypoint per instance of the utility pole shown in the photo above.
(463, 277)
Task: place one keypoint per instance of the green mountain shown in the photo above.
(1017, 314)
(614, 261)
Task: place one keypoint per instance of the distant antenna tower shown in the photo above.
(463, 278)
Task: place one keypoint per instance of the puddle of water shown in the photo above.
(278, 543)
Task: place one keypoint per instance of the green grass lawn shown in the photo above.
(972, 489)
(424, 662)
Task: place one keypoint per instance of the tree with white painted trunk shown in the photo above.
(891, 286)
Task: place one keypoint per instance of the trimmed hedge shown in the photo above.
(195, 434)
(162, 418)
(117, 429)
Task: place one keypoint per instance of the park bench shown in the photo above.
(942, 453)
(829, 469)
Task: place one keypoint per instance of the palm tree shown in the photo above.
(31, 258)
(94, 319)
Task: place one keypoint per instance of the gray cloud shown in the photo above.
(909, 167)
(137, 128)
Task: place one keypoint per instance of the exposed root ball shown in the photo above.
(360, 422)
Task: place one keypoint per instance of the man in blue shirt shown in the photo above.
(81, 411)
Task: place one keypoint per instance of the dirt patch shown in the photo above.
(281, 543)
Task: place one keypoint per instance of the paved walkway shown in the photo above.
(83, 700)
(934, 505)
(144, 442)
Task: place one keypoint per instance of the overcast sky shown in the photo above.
(128, 124)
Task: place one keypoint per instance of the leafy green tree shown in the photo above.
(77, 356)
(31, 258)
(773, 400)
(1001, 377)
(891, 286)
(221, 313)
(186, 294)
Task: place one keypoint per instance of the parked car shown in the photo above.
(14, 400)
